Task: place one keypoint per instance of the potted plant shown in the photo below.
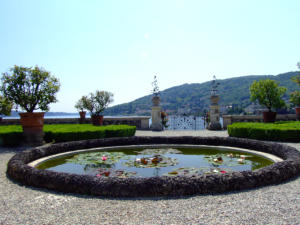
(30, 89)
(268, 94)
(96, 103)
(5, 107)
(295, 99)
(155, 92)
(164, 119)
(80, 107)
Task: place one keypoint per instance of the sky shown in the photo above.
(120, 45)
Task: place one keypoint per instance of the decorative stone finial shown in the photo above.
(214, 86)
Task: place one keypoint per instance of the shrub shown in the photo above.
(279, 131)
(11, 135)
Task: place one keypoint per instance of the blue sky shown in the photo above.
(119, 45)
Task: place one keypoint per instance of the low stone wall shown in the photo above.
(230, 119)
(276, 173)
(141, 122)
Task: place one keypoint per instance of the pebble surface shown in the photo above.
(277, 204)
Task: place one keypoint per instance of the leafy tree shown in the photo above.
(97, 102)
(30, 88)
(295, 98)
(267, 93)
(5, 106)
(81, 103)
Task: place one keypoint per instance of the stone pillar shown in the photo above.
(155, 113)
(214, 114)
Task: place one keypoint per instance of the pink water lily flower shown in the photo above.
(242, 156)
(223, 171)
(104, 158)
(98, 175)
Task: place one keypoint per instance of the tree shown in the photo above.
(267, 93)
(30, 88)
(295, 96)
(5, 106)
(81, 103)
(97, 102)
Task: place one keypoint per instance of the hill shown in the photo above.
(194, 98)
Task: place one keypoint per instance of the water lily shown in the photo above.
(241, 161)
(230, 155)
(223, 171)
(104, 158)
(144, 161)
(242, 156)
(106, 173)
(98, 175)
(219, 159)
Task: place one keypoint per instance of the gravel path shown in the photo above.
(278, 204)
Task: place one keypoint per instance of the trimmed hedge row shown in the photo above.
(11, 135)
(279, 131)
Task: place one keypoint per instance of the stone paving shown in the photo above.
(277, 204)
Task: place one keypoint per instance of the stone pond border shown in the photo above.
(19, 170)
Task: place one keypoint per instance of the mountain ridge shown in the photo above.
(194, 98)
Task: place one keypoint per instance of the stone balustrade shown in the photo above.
(230, 119)
(141, 122)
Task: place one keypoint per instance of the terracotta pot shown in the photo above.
(32, 120)
(32, 124)
(82, 115)
(297, 112)
(269, 117)
(97, 120)
(156, 100)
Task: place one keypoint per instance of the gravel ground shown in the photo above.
(278, 204)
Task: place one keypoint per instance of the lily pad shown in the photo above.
(155, 161)
(98, 159)
(229, 160)
(159, 151)
(104, 172)
(190, 171)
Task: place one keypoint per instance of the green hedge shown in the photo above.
(11, 135)
(279, 131)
